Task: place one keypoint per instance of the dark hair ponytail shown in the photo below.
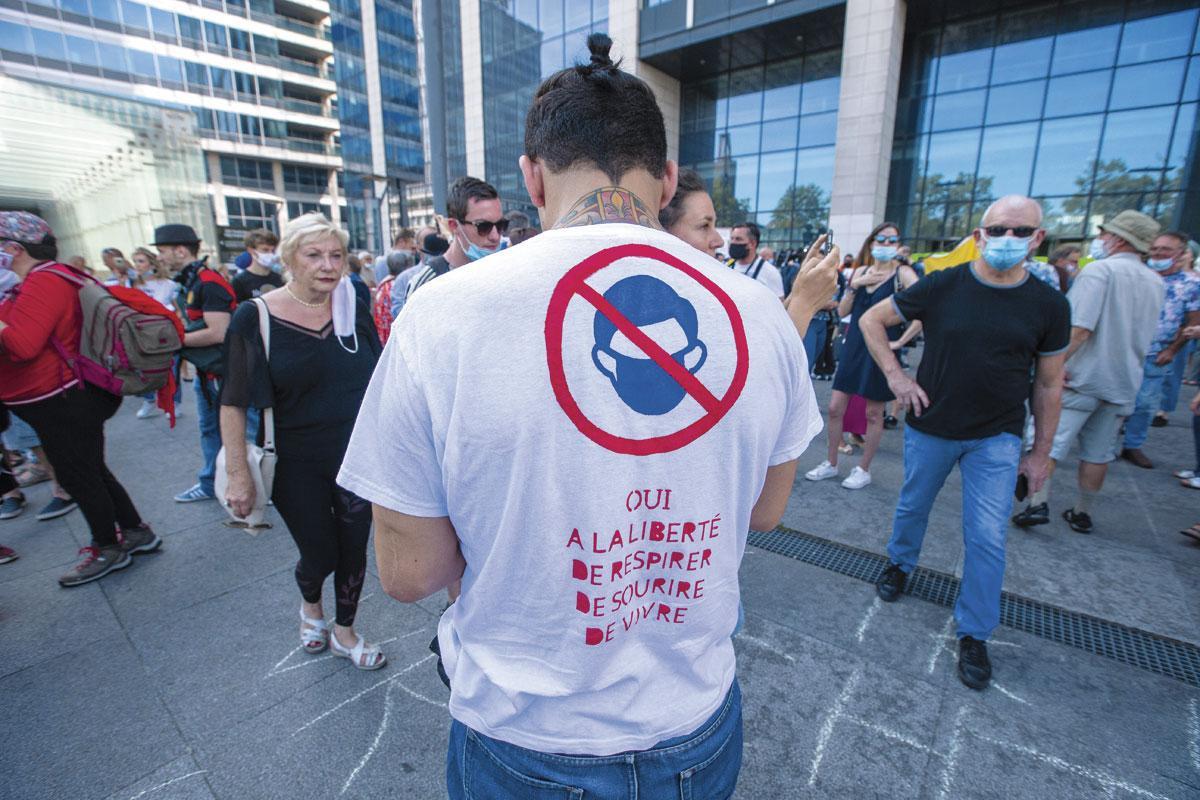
(596, 114)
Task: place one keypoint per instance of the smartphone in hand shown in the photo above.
(827, 247)
(1022, 490)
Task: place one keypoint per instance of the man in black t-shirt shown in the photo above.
(988, 326)
(261, 275)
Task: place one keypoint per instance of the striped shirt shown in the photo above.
(438, 265)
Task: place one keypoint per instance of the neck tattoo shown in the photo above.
(610, 204)
(321, 304)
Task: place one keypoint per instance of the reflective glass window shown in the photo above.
(1139, 140)
(49, 44)
(964, 70)
(106, 10)
(776, 173)
(820, 95)
(958, 110)
(552, 57)
(134, 15)
(741, 140)
(239, 40)
(1147, 84)
(818, 129)
(1156, 38)
(189, 29)
(1014, 102)
(1006, 160)
(164, 23)
(1066, 152)
(1018, 61)
(82, 51)
(15, 37)
(112, 59)
(221, 79)
(579, 14)
(550, 19)
(1191, 86)
(170, 70)
(951, 160)
(79, 7)
(1181, 144)
(780, 134)
(814, 167)
(1078, 94)
(1086, 49)
(745, 96)
(215, 36)
(781, 98)
(141, 64)
(197, 76)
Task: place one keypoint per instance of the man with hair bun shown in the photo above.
(564, 418)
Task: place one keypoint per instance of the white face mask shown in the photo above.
(1098, 249)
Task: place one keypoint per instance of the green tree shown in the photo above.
(946, 212)
(1112, 188)
(730, 209)
(805, 205)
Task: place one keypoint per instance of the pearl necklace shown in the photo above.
(321, 304)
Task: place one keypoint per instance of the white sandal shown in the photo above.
(315, 637)
(363, 656)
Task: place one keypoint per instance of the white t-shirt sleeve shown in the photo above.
(770, 277)
(392, 459)
(802, 417)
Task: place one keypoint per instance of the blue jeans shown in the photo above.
(814, 340)
(702, 764)
(1149, 398)
(253, 421)
(1174, 381)
(989, 473)
(208, 415)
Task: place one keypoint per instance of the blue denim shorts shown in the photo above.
(702, 765)
(20, 436)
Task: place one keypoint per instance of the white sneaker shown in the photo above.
(859, 478)
(821, 472)
(1192, 482)
(1185, 474)
(147, 410)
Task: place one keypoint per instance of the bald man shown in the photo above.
(988, 327)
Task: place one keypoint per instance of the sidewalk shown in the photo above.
(181, 677)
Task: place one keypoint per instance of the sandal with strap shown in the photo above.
(363, 656)
(314, 634)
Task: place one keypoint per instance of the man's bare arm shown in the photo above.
(874, 325)
(777, 488)
(1047, 406)
(1078, 337)
(217, 323)
(417, 556)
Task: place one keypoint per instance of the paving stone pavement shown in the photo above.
(181, 677)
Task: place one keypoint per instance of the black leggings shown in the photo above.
(71, 427)
(331, 527)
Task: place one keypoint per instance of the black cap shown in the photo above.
(434, 245)
(175, 233)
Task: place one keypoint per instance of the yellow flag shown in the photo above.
(964, 252)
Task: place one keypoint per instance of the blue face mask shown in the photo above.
(474, 252)
(642, 384)
(6, 261)
(1160, 264)
(1005, 252)
(884, 252)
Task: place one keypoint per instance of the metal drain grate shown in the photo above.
(1137, 648)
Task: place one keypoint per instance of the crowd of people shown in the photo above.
(571, 430)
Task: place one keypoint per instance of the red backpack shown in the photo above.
(127, 341)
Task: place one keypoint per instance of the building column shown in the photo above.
(277, 179)
(871, 59)
(623, 30)
(472, 65)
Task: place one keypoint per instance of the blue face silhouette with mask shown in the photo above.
(641, 383)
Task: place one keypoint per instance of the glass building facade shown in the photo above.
(1091, 107)
(524, 42)
(395, 42)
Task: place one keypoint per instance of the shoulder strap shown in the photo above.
(264, 332)
(758, 265)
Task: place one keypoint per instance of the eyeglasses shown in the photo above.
(484, 227)
(1023, 232)
(881, 239)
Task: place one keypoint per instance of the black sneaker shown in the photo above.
(1080, 522)
(890, 422)
(139, 540)
(974, 667)
(1159, 421)
(1033, 515)
(890, 584)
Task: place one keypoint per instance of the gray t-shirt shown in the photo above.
(1118, 300)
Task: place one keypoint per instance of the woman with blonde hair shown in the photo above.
(323, 349)
(154, 277)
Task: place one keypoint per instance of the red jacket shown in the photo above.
(41, 307)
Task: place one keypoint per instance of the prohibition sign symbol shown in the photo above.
(573, 284)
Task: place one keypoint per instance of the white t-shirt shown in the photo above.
(602, 509)
(162, 290)
(764, 272)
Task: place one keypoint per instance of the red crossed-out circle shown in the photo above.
(573, 284)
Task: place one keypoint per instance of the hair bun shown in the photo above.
(599, 44)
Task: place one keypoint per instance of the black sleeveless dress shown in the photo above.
(857, 372)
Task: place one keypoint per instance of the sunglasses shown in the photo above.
(484, 227)
(881, 239)
(1023, 232)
